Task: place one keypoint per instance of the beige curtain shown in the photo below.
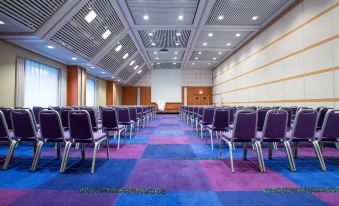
(19, 81)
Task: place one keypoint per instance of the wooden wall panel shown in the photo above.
(72, 85)
(129, 96)
(145, 95)
(192, 92)
(109, 92)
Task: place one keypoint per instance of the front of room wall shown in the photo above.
(293, 62)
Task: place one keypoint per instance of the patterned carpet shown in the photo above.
(169, 156)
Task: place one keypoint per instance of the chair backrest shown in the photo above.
(221, 119)
(36, 111)
(7, 114)
(321, 113)
(64, 116)
(294, 110)
(109, 119)
(245, 125)
(56, 108)
(200, 112)
(93, 117)
(290, 113)
(305, 124)
(4, 133)
(330, 128)
(75, 107)
(261, 118)
(208, 115)
(232, 111)
(50, 125)
(23, 125)
(124, 115)
(80, 127)
(133, 113)
(275, 124)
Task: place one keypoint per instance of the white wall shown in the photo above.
(286, 64)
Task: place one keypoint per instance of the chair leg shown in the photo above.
(260, 156)
(244, 147)
(65, 156)
(94, 157)
(119, 133)
(220, 149)
(336, 145)
(290, 156)
(270, 150)
(211, 134)
(12, 146)
(231, 155)
(295, 150)
(319, 155)
(58, 145)
(233, 146)
(275, 145)
(107, 146)
(201, 135)
(36, 156)
(130, 131)
(77, 145)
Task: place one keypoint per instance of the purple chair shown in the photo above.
(7, 114)
(274, 131)
(322, 113)
(110, 124)
(134, 117)
(244, 131)
(24, 129)
(92, 115)
(51, 130)
(207, 118)
(80, 130)
(6, 136)
(56, 108)
(261, 118)
(199, 117)
(125, 119)
(141, 116)
(304, 131)
(36, 111)
(64, 116)
(220, 123)
(290, 113)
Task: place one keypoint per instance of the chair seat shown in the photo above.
(97, 136)
(297, 139)
(210, 127)
(204, 123)
(120, 127)
(66, 137)
(127, 123)
(265, 139)
(228, 136)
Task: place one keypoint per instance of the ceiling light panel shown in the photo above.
(165, 56)
(113, 60)
(155, 10)
(27, 15)
(208, 56)
(126, 72)
(221, 38)
(200, 65)
(165, 38)
(167, 65)
(137, 77)
(240, 12)
(87, 39)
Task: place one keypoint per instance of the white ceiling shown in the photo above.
(196, 34)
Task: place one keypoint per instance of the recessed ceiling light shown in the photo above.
(228, 44)
(175, 52)
(112, 77)
(177, 44)
(106, 34)
(237, 34)
(118, 80)
(90, 16)
(118, 48)
(158, 63)
(209, 63)
(74, 58)
(214, 58)
(219, 53)
(196, 58)
(193, 63)
(103, 72)
(150, 34)
(132, 62)
(50, 46)
(155, 53)
(175, 58)
(199, 52)
(204, 44)
(220, 17)
(153, 44)
(125, 56)
(146, 17)
(210, 34)
(156, 58)
(1, 22)
(139, 71)
(136, 66)
(174, 63)
(255, 18)
(180, 17)
(92, 67)
(178, 33)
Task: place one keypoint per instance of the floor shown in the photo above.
(166, 164)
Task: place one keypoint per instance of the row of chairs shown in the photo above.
(268, 125)
(48, 127)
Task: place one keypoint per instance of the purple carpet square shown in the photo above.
(169, 140)
(330, 198)
(171, 175)
(9, 196)
(246, 176)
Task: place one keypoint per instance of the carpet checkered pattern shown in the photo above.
(166, 155)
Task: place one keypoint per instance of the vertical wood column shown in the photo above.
(109, 93)
(76, 86)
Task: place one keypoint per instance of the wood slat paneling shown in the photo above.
(199, 92)
(109, 92)
(72, 85)
(145, 95)
(129, 96)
